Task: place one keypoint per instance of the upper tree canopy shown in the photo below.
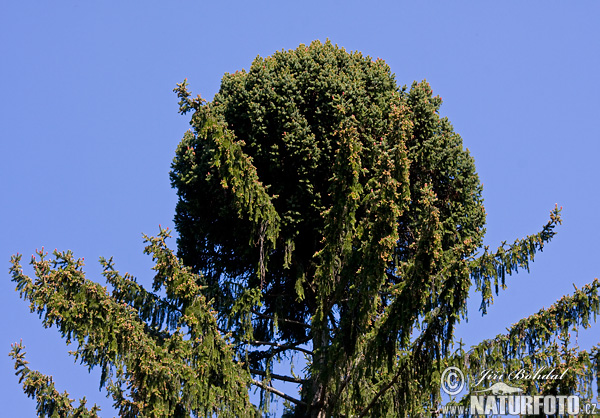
(315, 177)
(323, 211)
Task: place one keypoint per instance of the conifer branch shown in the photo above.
(291, 321)
(278, 393)
(284, 347)
(334, 399)
(41, 388)
(508, 260)
(277, 376)
(533, 332)
(381, 392)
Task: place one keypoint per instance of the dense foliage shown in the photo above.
(323, 212)
(160, 357)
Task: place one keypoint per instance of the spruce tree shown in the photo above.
(324, 212)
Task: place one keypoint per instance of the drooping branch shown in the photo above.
(112, 336)
(41, 388)
(278, 393)
(507, 260)
(334, 399)
(381, 392)
(151, 308)
(536, 331)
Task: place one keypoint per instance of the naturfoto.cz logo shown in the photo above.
(504, 399)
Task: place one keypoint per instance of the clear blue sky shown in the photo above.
(89, 126)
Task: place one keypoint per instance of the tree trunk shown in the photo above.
(318, 404)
